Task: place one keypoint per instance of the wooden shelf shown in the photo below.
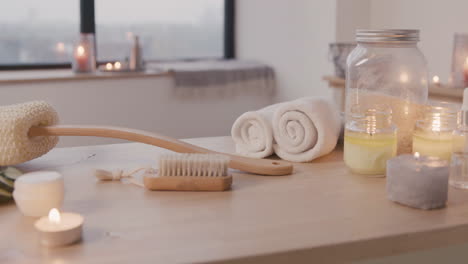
(438, 91)
(34, 76)
(320, 214)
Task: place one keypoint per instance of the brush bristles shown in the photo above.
(204, 165)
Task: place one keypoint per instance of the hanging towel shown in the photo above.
(305, 129)
(253, 134)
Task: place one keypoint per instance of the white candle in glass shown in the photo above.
(433, 134)
(59, 229)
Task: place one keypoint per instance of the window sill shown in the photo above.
(34, 76)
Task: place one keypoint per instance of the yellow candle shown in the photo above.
(367, 153)
(458, 143)
(433, 143)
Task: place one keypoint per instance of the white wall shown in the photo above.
(292, 37)
(143, 103)
(437, 20)
(350, 15)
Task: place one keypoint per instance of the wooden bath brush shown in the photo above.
(29, 130)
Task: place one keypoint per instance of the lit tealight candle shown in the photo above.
(109, 66)
(436, 80)
(59, 229)
(418, 181)
(117, 65)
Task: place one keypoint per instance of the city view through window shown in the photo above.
(42, 32)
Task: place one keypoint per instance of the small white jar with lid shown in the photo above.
(36, 193)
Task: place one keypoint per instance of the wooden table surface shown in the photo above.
(320, 213)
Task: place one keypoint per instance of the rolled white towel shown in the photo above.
(253, 134)
(305, 129)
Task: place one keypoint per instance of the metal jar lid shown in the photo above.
(387, 35)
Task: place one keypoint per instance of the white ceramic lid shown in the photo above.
(39, 181)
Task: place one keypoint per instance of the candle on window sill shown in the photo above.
(433, 135)
(370, 140)
(436, 80)
(84, 60)
(465, 71)
(59, 229)
(81, 58)
(109, 66)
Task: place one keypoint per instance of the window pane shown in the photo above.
(167, 29)
(35, 31)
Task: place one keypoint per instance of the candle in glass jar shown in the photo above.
(81, 58)
(433, 135)
(465, 71)
(369, 141)
(434, 144)
(368, 153)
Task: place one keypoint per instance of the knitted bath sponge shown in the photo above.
(15, 121)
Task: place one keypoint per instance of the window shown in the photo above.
(167, 29)
(40, 33)
(37, 32)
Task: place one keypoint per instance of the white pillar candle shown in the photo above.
(37, 192)
(59, 229)
(418, 181)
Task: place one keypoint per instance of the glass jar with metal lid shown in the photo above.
(387, 68)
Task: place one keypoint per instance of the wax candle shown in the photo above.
(84, 57)
(368, 153)
(109, 66)
(435, 143)
(418, 181)
(81, 59)
(59, 229)
(37, 192)
(465, 71)
(436, 80)
(370, 140)
(433, 134)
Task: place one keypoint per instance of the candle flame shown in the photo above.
(117, 65)
(54, 216)
(108, 66)
(416, 155)
(80, 50)
(404, 78)
(435, 79)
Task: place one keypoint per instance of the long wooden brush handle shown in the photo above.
(257, 166)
